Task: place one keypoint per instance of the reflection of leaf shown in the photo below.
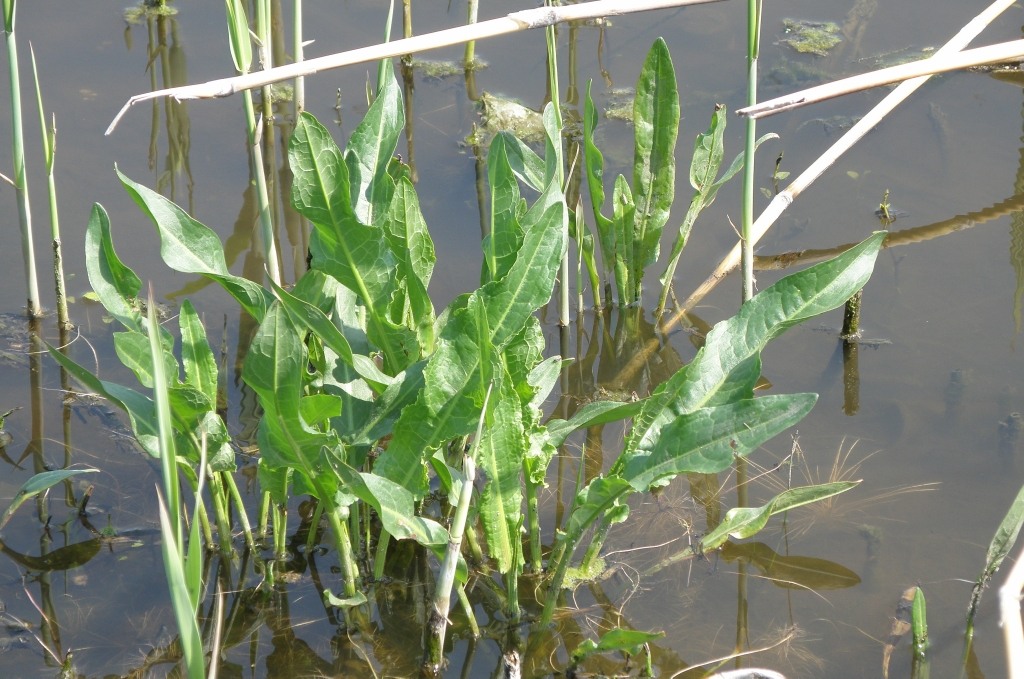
(792, 571)
(60, 559)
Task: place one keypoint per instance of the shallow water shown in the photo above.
(928, 408)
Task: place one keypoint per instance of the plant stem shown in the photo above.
(243, 518)
(747, 252)
(49, 138)
(28, 255)
(470, 56)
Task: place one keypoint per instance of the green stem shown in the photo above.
(533, 521)
(243, 518)
(339, 529)
(34, 310)
(266, 221)
(747, 247)
(470, 56)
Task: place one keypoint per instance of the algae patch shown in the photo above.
(811, 37)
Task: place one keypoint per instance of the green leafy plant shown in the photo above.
(365, 390)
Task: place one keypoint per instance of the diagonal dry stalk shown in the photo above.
(511, 23)
(845, 143)
(940, 63)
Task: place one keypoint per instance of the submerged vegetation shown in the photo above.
(420, 450)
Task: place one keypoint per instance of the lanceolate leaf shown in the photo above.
(196, 355)
(743, 522)
(190, 247)
(708, 440)
(358, 255)
(656, 128)
(733, 342)
(594, 167)
(502, 243)
(370, 149)
(394, 505)
(500, 457)
(453, 392)
(113, 282)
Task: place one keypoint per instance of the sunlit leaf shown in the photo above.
(190, 247)
(743, 522)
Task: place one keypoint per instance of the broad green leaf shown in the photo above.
(594, 169)
(792, 571)
(113, 282)
(506, 233)
(743, 522)
(196, 355)
(386, 409)
(602, 496)
(733, 342)
(370, 149)
(592, 414)
(351, 602)
(358, 256)
(274, 368)
(525, 163)
(37, 484)
(394, 505)
(552, 145)
(410, 238)
(190, 247)
(655, 128)
(708, 151)
(133, 351)
(317, 408)
(627, 281)
(628, 641)
(708, 440)
(453, 394)
(500, 456)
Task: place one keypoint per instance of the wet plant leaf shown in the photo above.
(190, 247)
(592, 414)
(499, 454)
(357, 255)
(370, 149)
(506, 233)
(731, 343)
(594, 170)
(140, 410)
(525, 163)
(133, 351)
(708, 440)
(112, 281)
(626, 243)
(36, 485)
(655, 128)
(743, 522)
(395, 506)
(349, 602)
(601, 496)
(453, 393)
(196, 355)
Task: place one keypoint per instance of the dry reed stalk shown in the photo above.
(852, 136)
(940, 63)
(511, 23)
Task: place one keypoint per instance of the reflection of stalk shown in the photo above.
(18, 151)
(49, 138)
